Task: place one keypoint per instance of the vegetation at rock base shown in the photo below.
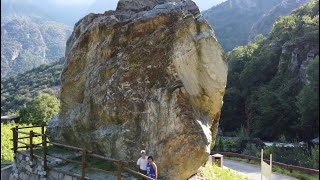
(272, 87)
(210, 172)
(20, 90)
(7, 144)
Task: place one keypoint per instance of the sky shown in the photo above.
(70, 11)
(203, 4)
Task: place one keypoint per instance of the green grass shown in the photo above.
(210, 172)
(102, 164)
(297, 174)
(53, 149)
(7, 144)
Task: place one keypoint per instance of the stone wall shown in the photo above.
(6, 171)
(25, 169)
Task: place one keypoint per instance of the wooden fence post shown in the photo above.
(44, 146)
(15, 139)
(83, 164)
(120, 167)
(31, 145)
(42, 130)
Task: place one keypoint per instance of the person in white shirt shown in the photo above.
(143, 162)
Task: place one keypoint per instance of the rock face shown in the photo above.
(150, 75)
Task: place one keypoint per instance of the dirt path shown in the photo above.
(251, 171)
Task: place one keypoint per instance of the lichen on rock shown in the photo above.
(150, 75)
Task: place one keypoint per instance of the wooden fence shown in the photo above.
(286, 166)
(121, 165)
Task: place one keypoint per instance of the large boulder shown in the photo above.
(150, 75)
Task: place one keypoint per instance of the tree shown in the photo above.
(40, 110)
(308, 102)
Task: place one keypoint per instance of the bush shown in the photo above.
(315, 157)
(296, 155)
(7, 144)
(252, 150)
(41, 110)
(219, 146)
(231, 145)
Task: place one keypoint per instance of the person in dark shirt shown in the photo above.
(152, 170)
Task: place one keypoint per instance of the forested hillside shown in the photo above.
(273, 84)
(265, 23)
(29, 38)
(21, 89)
(236, 22)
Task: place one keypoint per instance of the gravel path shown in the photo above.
(251, 171)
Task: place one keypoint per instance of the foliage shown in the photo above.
(232, 21)
(308, 102)
(7, 144)
(20, 90)
(296, 155)
(210, 172)
(268, 91)
(219, 147)
(252, 150)
(315, 157)
(40, 110)
(231, 145)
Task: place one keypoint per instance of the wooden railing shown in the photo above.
(121, 165)
(286, 166)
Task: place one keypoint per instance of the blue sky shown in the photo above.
(203, 4)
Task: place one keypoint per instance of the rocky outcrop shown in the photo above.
(150, 75)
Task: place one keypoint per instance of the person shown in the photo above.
(142, 162)
(152, 170)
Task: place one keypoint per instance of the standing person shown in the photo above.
(143, 162)
(152, 170)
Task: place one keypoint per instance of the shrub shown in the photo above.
(231, 145)
(252, 150)
(219, 146)
(41, 110)
(7, 144)
(315, 157)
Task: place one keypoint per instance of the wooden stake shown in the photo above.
(31, 145)
(44, 148)
(83, 164)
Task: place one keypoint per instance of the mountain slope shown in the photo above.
(236, 21)
(264, 24)
(272, 88)
(28, 41)
(17, 91)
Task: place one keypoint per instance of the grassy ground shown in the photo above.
(297, 174)
(210, 172)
